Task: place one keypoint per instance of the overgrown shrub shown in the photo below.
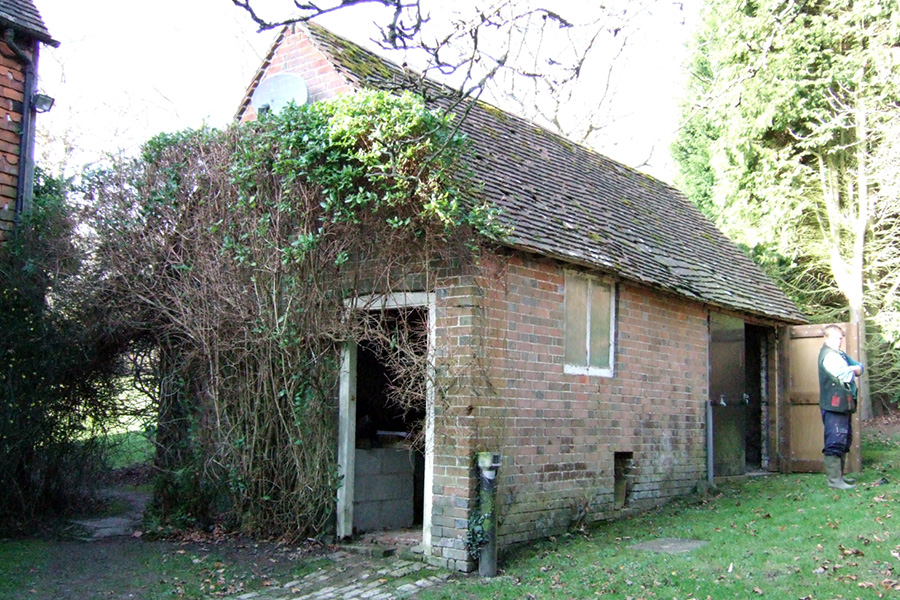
(240, 252)
(57, 364)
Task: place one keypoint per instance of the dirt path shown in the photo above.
(109, 560)
(125, 524)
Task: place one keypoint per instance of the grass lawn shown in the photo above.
(786, 537)
(781, 536)
(125, 568)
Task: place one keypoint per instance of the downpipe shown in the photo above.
(488, 469)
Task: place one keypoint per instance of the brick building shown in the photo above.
(630, 353)
(21, 32)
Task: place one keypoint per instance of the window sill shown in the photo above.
(590, 371)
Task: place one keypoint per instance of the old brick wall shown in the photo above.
(459, 368)
(12, 95)
(295, 53)
(559, 433)
(500, 386)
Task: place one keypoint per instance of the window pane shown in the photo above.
(576, 321)
(601, 297)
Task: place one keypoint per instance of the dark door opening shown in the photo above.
(738, 381)
(390, 414)
(755, 340)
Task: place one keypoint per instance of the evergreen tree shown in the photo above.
(785, 145)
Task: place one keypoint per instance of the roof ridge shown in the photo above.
(320, 30)
(565, 200)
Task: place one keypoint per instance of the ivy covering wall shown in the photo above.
(237, 252)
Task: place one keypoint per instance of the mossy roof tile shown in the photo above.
(566, 201)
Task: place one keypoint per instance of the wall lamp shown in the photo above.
(42, 102)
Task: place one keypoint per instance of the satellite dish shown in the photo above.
(275, 92)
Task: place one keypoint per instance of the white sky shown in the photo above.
(126, 70)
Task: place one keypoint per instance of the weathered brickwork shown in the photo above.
(501, 386)
(458, 367)
(295, 53)
(559, 433)
(12, 94)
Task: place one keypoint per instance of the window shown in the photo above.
(590, 326)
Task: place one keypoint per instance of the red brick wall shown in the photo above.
(501, 387)
(457, 363)
(12, 94)
(558, 433)
(297, 54)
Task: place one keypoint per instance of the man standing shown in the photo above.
(837, 401)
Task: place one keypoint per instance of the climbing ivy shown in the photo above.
(237, 251)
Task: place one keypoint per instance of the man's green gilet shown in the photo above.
(834, 396)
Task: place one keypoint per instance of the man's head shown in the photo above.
(834, 336)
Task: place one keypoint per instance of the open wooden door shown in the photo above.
(728, 395)
(806, 433)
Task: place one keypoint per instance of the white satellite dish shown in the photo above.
(275, 92)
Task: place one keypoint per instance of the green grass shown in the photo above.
(778, 537)
(127, 448)
(17, 559)
(782, 537)
(140, 570)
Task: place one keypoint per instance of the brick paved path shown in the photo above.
(356, 577)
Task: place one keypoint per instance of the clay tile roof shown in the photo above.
(568, 202)
(23, 17)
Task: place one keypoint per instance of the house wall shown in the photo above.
(459, 365)
(295, 53)
(12, 96)
(559, 433)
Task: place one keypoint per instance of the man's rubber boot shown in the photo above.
(833, 473)
(847, 480)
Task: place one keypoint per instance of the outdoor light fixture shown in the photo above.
(42, 102)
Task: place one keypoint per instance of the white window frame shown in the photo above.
(587, 369)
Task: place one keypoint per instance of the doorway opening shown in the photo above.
(756, 434)
(386, 423)
(390, 416)
(740, 420)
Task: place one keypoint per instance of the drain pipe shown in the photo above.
(764, 408)
(709, 442)
(25, 186)
(488, 467)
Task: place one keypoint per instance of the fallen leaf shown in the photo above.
(850, 551)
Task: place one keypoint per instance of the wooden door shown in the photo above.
(806, 433)
(727, 395)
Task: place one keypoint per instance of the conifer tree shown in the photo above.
(785, 144)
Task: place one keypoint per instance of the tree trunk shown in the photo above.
(857, 260)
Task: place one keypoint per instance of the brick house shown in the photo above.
(22, 31)
(633, 353)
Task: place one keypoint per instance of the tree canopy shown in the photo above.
(787, 144)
